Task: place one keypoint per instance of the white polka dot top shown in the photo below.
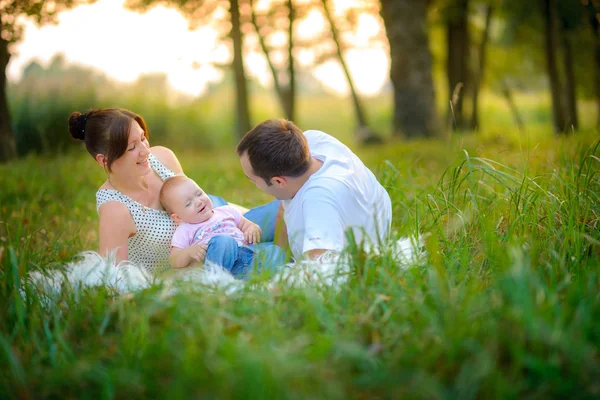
(151, 244)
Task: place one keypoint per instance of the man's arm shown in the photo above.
(281, 235)
(314, 254)
(323, 224)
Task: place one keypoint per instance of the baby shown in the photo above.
(220, 235)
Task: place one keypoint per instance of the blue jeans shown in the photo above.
(242, 260)
(268, 255)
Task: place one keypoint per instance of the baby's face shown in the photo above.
(190, 203)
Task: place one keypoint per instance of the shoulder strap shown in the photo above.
(162, 171)
(106, 195)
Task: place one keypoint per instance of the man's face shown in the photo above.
(278, 187)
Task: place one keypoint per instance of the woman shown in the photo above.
(132, 221)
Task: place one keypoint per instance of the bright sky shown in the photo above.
(125, 44)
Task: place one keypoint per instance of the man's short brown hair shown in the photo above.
(276, 147)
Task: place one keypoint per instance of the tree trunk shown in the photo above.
(478, 75)
(410, 70)
(511, 105)
(457, 62)
(570, 86)
(549, 14)
(596, 30)
(285, 94)
(290, 100)
(362, 129)
(8, 149)
(243, 114)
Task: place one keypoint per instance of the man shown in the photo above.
(324, 187)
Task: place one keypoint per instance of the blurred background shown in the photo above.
(202, 72)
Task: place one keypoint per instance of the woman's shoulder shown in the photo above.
(113, 209)
(115, 219)
(106, 186)
(167, 158)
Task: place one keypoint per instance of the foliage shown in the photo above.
(521, 38)
(506, 306)
(43, 99)
(42, 12)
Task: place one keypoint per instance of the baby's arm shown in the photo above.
(183, 253)
(251, 231)
(181, 258)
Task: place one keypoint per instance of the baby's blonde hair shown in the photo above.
(169, 185)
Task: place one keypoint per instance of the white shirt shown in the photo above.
(343, 194)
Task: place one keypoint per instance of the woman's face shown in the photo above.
(134, 161)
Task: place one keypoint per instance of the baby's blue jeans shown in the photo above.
(240, 260)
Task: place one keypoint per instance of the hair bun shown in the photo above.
(77, 122)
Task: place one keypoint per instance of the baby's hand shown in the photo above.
(197, 252)
(252, 233)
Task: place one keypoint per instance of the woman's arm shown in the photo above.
(116, 226)
(167, 158)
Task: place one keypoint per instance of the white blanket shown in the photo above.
(331, 269)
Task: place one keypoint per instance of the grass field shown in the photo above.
(506, 306)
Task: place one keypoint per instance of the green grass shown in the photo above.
(506, 306)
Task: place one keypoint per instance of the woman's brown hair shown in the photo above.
(105, 131)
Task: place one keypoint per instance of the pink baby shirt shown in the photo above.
(224, 221)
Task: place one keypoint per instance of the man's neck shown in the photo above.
(298, 182)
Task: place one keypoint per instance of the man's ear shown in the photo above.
(279, 181)
(100, 159)
(176, 218)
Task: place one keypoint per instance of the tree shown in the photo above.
(364, 133)
(243, 112)
(11, 29)
(550, 45)
(458, 45)
(593, 9)
(263, 25)
(573, 28)
(411, 70)
(558, 21)
(207, 11)
(480, 69)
